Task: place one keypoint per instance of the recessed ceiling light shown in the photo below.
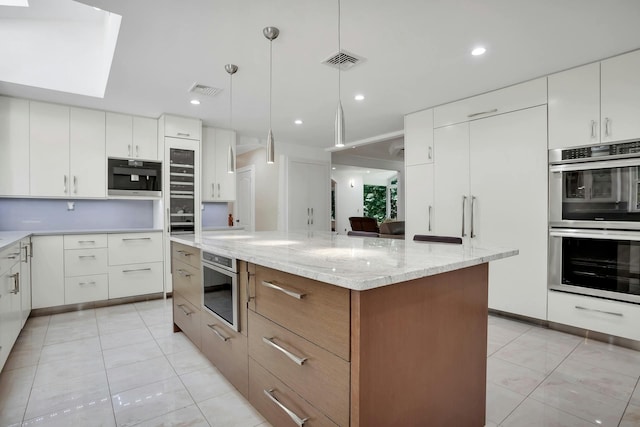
(368, 171)
(298, 122)
(333, 168)
(478, 51)
(96, 8)
(195, 102)
(359, 97)
(20, 3)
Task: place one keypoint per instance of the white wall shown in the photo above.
(349, 201)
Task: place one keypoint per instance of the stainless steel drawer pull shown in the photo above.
(86, 256)
(185, 253)
(183, 273)
(296, 419)
(298, 360)
(13, 255)
(613, 313)
(184, 310)
(283, 290)
(86, 241)
(215, 331)
(16, 283)
(495, 110)
(183, 134)
(136, 238)
(137, 269)
(87, 283)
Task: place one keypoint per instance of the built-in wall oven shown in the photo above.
(594, 219)
(220, 285)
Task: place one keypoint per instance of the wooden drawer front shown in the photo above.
(187, 317)
(85, 262)
(137, 279)
(86, 288)
(261, 382)
(321, 315)
(133, 248)
(187, 280)
(322, 379)
(595, 314)
(9, 257)
(230, 356)
(186, 254)
(512, 98)
(85, 241)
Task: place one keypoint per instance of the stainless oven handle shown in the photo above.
(595, 234)
(215, 331)
(295, 418)
(283, 290)
(297, 360)
(579, 307)
(592, 164)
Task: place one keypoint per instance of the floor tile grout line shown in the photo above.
(628, 402)
(24, 413)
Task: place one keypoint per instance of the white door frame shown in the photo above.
(252, 198)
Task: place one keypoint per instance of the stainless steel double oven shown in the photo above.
(594, 218)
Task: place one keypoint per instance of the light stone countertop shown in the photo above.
(357, 263)
(7, 238)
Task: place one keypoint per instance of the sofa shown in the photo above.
(368, 227)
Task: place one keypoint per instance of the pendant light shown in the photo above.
(231, 158)
(339, 128)
(271, 33)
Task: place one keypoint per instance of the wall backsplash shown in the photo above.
(215, 215)
(54, 214)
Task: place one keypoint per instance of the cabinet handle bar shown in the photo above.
(579, 307)
(215, 331)
(295, 418)
(283, 290)
(495, 110)
(298, 360)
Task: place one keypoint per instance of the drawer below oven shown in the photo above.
(595, 314)
(187, 318)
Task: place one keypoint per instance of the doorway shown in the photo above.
(245, 206)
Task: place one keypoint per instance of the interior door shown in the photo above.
(509, 182)
(451, 179)
(245, 201)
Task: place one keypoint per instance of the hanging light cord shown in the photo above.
(230, 103)
(270, 79)
(339, 53)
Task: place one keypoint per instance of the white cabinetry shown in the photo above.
(131, 136)
(418, 138)
(135, 264)
(181, 127)
(418, 200)
(307, 195)
(595, 103)
(25, 279)
(10, 300)
(67, 155)
(47, 271)
(14, 147)
(217, 183)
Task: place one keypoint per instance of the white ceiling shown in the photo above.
(417, 56)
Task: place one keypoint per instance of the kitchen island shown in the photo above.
(344, 330)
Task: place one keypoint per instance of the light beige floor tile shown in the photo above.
(230, 410)
(598, 379)
(205, 384)
(161, 331)
(73, 318)
(614, 358)
(635, 398)
(536, 359)
(37, 322)
(67, 394)
(185, 417)
(22, 358)
(151, 401)
(580, 401)
(513, 377)
(175, 343)
(63, 333)
(135, 353)
(154, 304)
(30, 339)
(501, 402)
(156, 317)
(96, 414)
(114, 310)
(86, 347)
(532, 413)
(15, 387)
(188, 361)
(125, 338)
(70, 368)
(549, 342)
(631, 417)
(139, 374)
(114, 324)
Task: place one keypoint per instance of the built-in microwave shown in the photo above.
(128, 177)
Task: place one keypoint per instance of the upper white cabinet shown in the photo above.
(418, 138)
(512, 98)
(620, 97)
(574, 107)
(49, 150)
(182, 127)
(131, 136)
(595, 103)
(307, 195)
(14, 147)
(67, 153)
(217, 183)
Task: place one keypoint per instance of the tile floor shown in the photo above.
(124, 366)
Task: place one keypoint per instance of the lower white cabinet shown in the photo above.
(86, 288)
(135, 279)
(85, 262)
(595, 314)
(25, 278)
(47, 271)
(10, 300)
(134, 248)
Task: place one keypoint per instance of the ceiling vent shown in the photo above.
(205, 90)
(343, 60)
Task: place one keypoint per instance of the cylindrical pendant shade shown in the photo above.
(271, 154)
(339, 137)
(231, 160)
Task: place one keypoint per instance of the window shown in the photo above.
(375, 202)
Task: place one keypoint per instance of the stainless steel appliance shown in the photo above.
(595, 187)
(181, 191)
(220, 284)
(127, 177)
(601, 263)
(594, 218)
